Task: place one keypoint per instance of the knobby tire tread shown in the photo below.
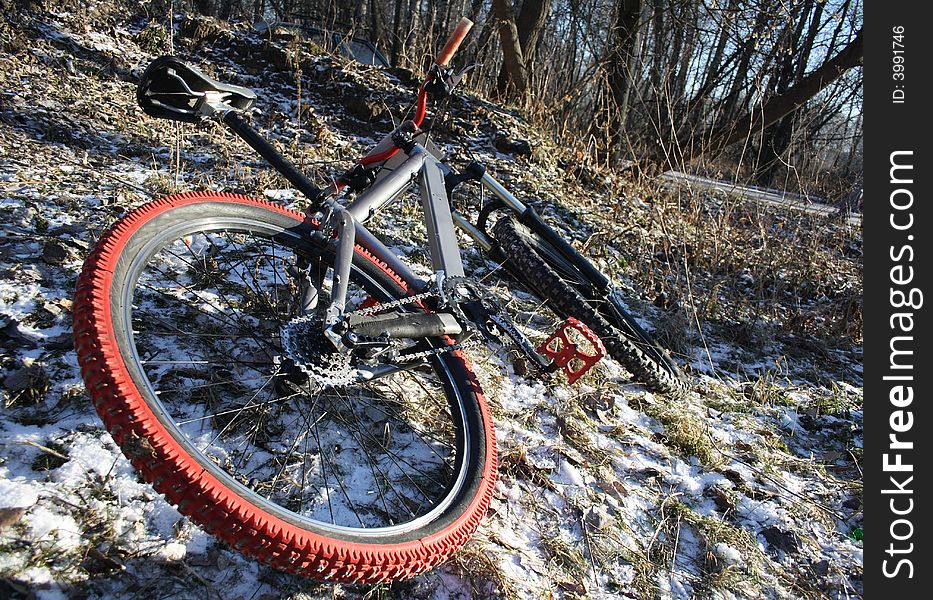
(158, 457)
(534, 271)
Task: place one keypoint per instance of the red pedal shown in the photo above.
(574, 348)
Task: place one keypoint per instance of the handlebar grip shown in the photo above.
(454, 41)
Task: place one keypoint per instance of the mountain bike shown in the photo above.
(289, 382)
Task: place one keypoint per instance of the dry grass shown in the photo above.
(685, 432)
(478, 565)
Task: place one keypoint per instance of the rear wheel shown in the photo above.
(179, 324)
(535, 262)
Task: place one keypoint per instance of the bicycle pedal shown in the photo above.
(573, 348)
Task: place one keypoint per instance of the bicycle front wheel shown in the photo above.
(179, 322)
(541, 266)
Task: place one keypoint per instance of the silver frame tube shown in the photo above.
(442, 238)
(478, 236)
(379, 250)
(424, 167)
(421, 167)
(343, 259)
(387, 189)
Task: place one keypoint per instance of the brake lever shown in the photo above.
(454, 80)
(444, 81)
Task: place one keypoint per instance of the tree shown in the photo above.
(624, 40)
(660, 82)
(519, 38)
(777, 107)
(777, 137)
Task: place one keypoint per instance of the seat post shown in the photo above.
(241, 128)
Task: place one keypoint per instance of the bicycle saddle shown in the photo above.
(171, 89)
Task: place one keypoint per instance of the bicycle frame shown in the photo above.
(350, 221)
(424, 163)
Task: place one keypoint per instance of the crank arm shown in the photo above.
(524, 344)
(495, 327)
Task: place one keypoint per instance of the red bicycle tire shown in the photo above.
(197, 493)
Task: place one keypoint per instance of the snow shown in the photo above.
(729, 554)
(88, 456)
(173, 551)
(17, 494)
(620, 468)
(567, 474)
(46, 525)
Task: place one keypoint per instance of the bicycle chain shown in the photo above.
(407, 358)
(383, 306)
(336, 369)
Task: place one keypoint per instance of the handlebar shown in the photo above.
(454, 41)
(385, 150)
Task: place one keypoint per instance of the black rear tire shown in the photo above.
(536, 263)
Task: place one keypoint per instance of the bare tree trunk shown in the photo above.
(225, 9)
(513, 60)
(376, 29)
(397, 34)
(730, 105)
(623, 44)
(776, 139)
(205, 7)
(530, 20)
(778, 106)
(714, 65)
(679, 85)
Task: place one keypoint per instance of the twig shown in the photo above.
(855, 462)
(589, 548)
(45, 449)
(674, 556)
(781, 487)
(76, 163)
(657, 530)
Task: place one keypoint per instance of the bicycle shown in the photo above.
(289, 382)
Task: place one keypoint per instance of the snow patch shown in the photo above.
(17, 494)
(728, 554)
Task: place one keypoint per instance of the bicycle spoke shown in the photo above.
(395, 457)
(372, 454)
(207, 314)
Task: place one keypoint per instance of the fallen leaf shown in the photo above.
(11, 516)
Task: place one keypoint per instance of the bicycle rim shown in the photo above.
(359, 461)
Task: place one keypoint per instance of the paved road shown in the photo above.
(765, 196)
